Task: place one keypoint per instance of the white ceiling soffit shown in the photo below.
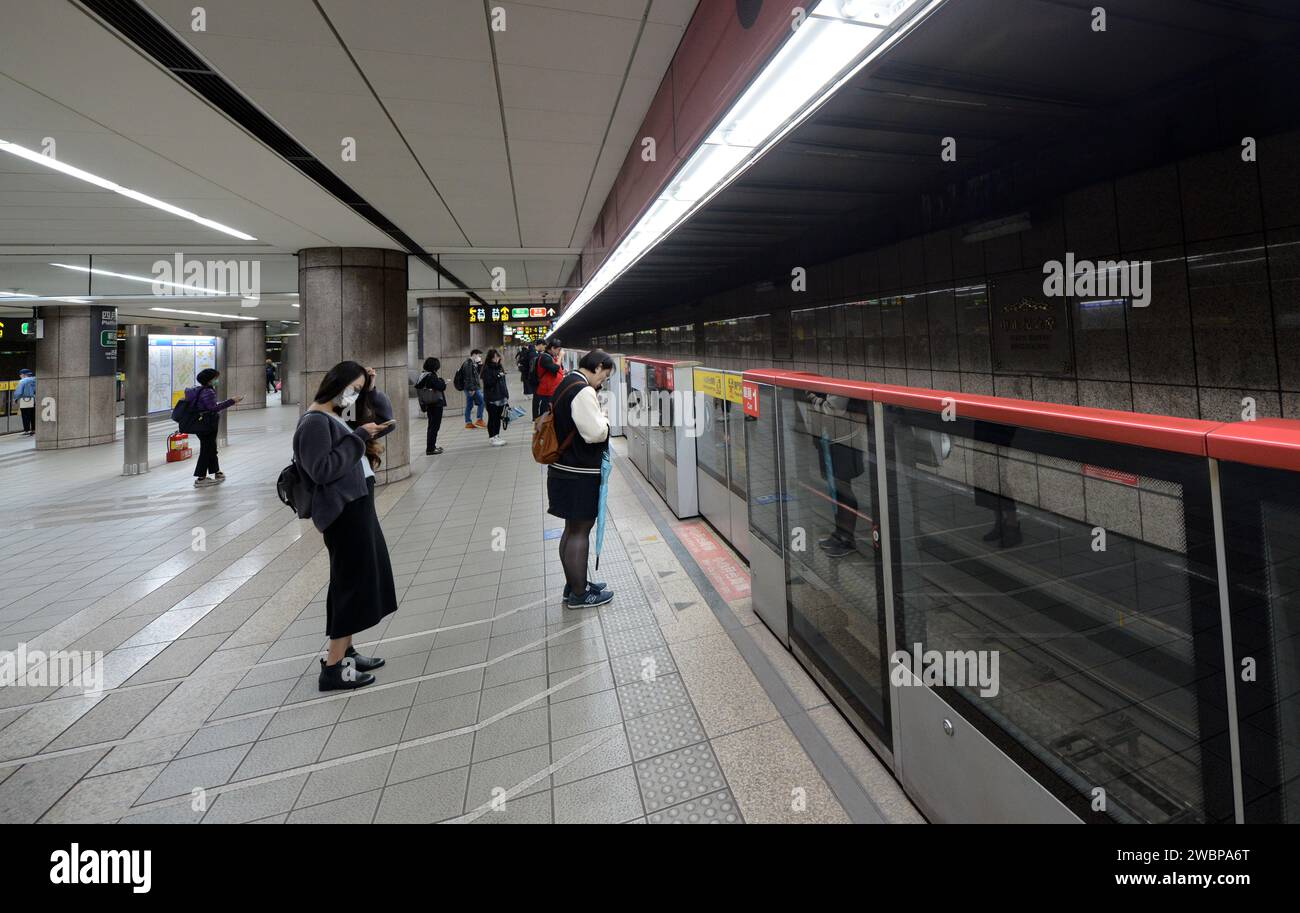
(464, 136)
(114, 113)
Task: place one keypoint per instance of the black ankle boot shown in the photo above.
(364, 663)
(342, 676)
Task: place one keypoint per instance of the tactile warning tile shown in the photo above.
(623, 618)
(641, 697)
(679, 776)
(666, 730)
(633, 640)
(719, 808)
(631, 666)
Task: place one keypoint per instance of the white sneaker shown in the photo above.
(497, 442)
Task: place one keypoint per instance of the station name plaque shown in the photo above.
(1031, 332)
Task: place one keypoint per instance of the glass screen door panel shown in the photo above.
(835, 582)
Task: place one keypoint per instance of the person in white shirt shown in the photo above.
(573, 481)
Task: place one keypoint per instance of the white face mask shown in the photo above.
(347, 398)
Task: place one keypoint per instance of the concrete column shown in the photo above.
(447, 332)
(291, 372)
(245, 362)
(413, 356)
(75, 383)
(354, 308)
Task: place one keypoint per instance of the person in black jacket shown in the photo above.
(573, 480)
(361, 588)
(430, 380)
(373, 405)
(528, 368)
(496, 395)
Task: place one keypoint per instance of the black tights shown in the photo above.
(574, 544)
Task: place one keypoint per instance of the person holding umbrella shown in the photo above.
(573, 481)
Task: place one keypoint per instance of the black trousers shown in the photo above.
(435, 422)
(541, 405)
(29, 418)
(494, 419)
(207, 463)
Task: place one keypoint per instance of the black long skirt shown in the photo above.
(361, 589)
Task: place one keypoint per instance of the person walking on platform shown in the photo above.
(432, 393)
(468, 380)
(496, 394)
(549, 374)
(203, 400)
(25, 397)
(270, 376)
(573, 480)
(333, 457)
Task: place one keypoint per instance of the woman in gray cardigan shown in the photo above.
(333, 456)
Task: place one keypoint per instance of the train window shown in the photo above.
(1082, 575)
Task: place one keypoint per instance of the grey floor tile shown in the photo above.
(607, 798)
(358, 809)
(426, 800)
(716, 808)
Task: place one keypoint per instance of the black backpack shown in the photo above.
(189, 418)
(459, 380)
(295, 490)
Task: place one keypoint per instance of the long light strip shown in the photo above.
(13, 296)
(32, 156)
(838, 34)
(203, 314)
(147, 279)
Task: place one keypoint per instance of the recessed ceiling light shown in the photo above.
(54, 164)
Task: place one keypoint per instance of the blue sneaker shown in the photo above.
(591, 584)
(592, 598)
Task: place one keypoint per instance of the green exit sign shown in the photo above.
(108, 339)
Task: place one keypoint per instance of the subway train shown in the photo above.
(1030, 612)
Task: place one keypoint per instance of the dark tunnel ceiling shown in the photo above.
(1039, 104)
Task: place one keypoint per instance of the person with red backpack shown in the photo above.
(549, 374)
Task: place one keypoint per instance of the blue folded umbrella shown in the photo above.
(606, 464)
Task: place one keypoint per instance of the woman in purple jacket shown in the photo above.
(204, 398)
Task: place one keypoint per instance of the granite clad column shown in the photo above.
(446, 337)
(291, 391)
(75, 378)
(245, 363)
(354, 308)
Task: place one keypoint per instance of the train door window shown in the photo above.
(835, 587)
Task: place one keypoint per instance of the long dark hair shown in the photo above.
(338, 379)
(493, 357)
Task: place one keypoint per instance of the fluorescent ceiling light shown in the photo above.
(150, 280)
(54, 164)
(834, 43)
(203, 314)
(14, 296)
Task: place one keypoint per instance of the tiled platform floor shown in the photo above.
(497, 704)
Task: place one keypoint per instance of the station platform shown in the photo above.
(672, 704)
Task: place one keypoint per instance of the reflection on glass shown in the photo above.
(837, 610)
(1262, 534)
(765, 489)
(1092, 583)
